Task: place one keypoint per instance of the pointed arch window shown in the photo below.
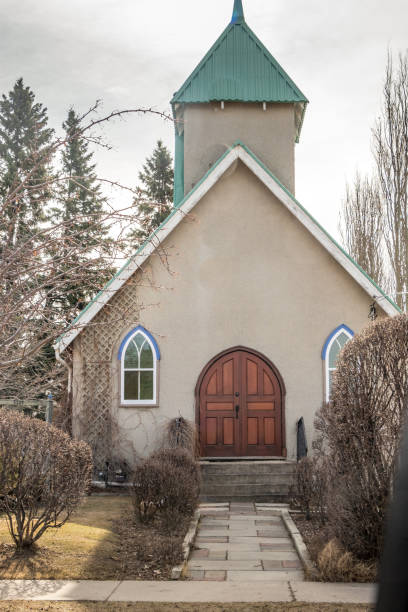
(138, 355)
(331, 351)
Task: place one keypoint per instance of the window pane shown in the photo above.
(330, 381)
(146, 356)
(146, 385)
(139, 339)
(131, 385)
(343, 339)
(132, 356)
(334, 353)
(337, 345)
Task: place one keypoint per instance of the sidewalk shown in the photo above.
(186, 591)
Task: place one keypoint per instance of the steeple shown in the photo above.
(237, 92)
(238, 12)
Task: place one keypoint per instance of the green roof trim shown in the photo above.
(140, 249)
(176, 208)
(239, 68)
(353, 261)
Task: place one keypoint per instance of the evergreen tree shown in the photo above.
(157, 193)
(26, 155)
(80, 211)
(25, 158)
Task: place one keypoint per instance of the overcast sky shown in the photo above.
(136, 53)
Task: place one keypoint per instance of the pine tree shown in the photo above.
(157, 193)
(26, 155)
(80, 212)
(25, 158)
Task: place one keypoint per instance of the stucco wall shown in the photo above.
(241, 271)
(209, 131)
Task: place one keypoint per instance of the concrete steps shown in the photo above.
(259, 481)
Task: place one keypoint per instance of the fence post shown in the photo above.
(49, 408)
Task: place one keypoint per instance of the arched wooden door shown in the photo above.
(240, 407)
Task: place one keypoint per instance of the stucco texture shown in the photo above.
(209, 131)
(239, 270)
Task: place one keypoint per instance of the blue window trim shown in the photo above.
(134, 331)
(332, 335)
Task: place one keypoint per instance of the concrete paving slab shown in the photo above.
(310, 592)
(196, 592)
(205, 564)
(214, 546)
(244, 576)
(263, 587)
(274, 532)
(262, 556)
(57, 590)
(264, 540)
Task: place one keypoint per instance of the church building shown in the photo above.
(234, 311)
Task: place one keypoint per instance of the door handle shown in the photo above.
(236, 411)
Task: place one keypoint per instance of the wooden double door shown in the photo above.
(240, 407)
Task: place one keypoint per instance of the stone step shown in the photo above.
(261, 479)
(254, 488)
(247, 495)
(248, 467)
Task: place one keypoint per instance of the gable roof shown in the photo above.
(239, 68)
(241, 152)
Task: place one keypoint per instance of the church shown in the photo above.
(234, 311)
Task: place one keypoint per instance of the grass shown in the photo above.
(17, 606)
(104, 540)
(85, 548)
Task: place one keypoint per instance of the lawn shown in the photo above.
(102, 541)
(169, 607)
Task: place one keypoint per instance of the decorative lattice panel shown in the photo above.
(96, 344)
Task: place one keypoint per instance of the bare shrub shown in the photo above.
(180, 433)
(166, 551)
(337, 565)
(43, 476)
(361, 429)
(168, 481)
(309, 492)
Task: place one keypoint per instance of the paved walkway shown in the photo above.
(243, 542)
(184, 591)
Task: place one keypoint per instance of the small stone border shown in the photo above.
(299, 544)
(179, 570)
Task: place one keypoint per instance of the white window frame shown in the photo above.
(333, 339)
(140, 402)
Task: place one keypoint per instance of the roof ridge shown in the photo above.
(202, 62)
(244, 27)
(274, 61)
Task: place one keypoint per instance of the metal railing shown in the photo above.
(42, 409)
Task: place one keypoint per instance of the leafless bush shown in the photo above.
(361, 428)
(169, 482)
(309, 492)
(180, 433)
(43, 476)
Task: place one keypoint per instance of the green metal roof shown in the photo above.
(239, 68)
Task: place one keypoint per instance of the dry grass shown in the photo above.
(102, 541)
(18, 606)
(83, 549)
(333, 563)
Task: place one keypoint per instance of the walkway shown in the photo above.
(184, 591)
(243, 542)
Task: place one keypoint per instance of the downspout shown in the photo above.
(178, 114)
(70, 377)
